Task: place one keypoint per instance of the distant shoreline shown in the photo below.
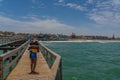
(101, 41)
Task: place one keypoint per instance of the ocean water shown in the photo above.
(88, 60)
(1, 51)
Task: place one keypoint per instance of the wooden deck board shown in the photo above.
(21, 71)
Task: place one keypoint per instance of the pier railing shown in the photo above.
(54, 62)
(9, 59)
(5, 40)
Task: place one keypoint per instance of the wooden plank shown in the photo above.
(21, 71)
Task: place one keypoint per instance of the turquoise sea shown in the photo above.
(1, 51)
(88, 60)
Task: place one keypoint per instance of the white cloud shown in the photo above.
(37, 4)
(75, 6)
(71, 5)
(34, 26)
(106, 13)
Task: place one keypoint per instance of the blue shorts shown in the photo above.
(33, 55)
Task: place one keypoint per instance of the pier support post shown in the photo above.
(1, 68)
(10, 60)
(4, 51)
(61, 69)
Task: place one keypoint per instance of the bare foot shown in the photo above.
(31, 73)
(35, 72)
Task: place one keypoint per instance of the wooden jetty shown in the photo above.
(48, 64)
(22, 70)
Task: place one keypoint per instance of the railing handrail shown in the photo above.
(8, 55)
(56, 67)
(12, 52)
(10, 42)
(50, 51)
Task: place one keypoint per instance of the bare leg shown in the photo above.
(35, 60)
(34, 65)
(31, 67)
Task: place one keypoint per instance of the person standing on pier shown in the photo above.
(33, 49)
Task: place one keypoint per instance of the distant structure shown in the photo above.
(29, 37)
(53, 37)
(58, 37)
(113, 37)
(6, 33)
(73, 35)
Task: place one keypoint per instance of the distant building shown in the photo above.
(9, 33)
(1, 33)
(113, 37)
(6, 33)
(46, 37)
(73, 35)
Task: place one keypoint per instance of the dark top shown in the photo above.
(34, 48)
(34, 43)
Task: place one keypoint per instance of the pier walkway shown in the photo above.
(21, 71)
(15, 62)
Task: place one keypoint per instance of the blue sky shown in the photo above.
(83, 17)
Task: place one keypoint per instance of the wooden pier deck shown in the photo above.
(22, 70)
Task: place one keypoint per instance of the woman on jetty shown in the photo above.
(33, 49)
